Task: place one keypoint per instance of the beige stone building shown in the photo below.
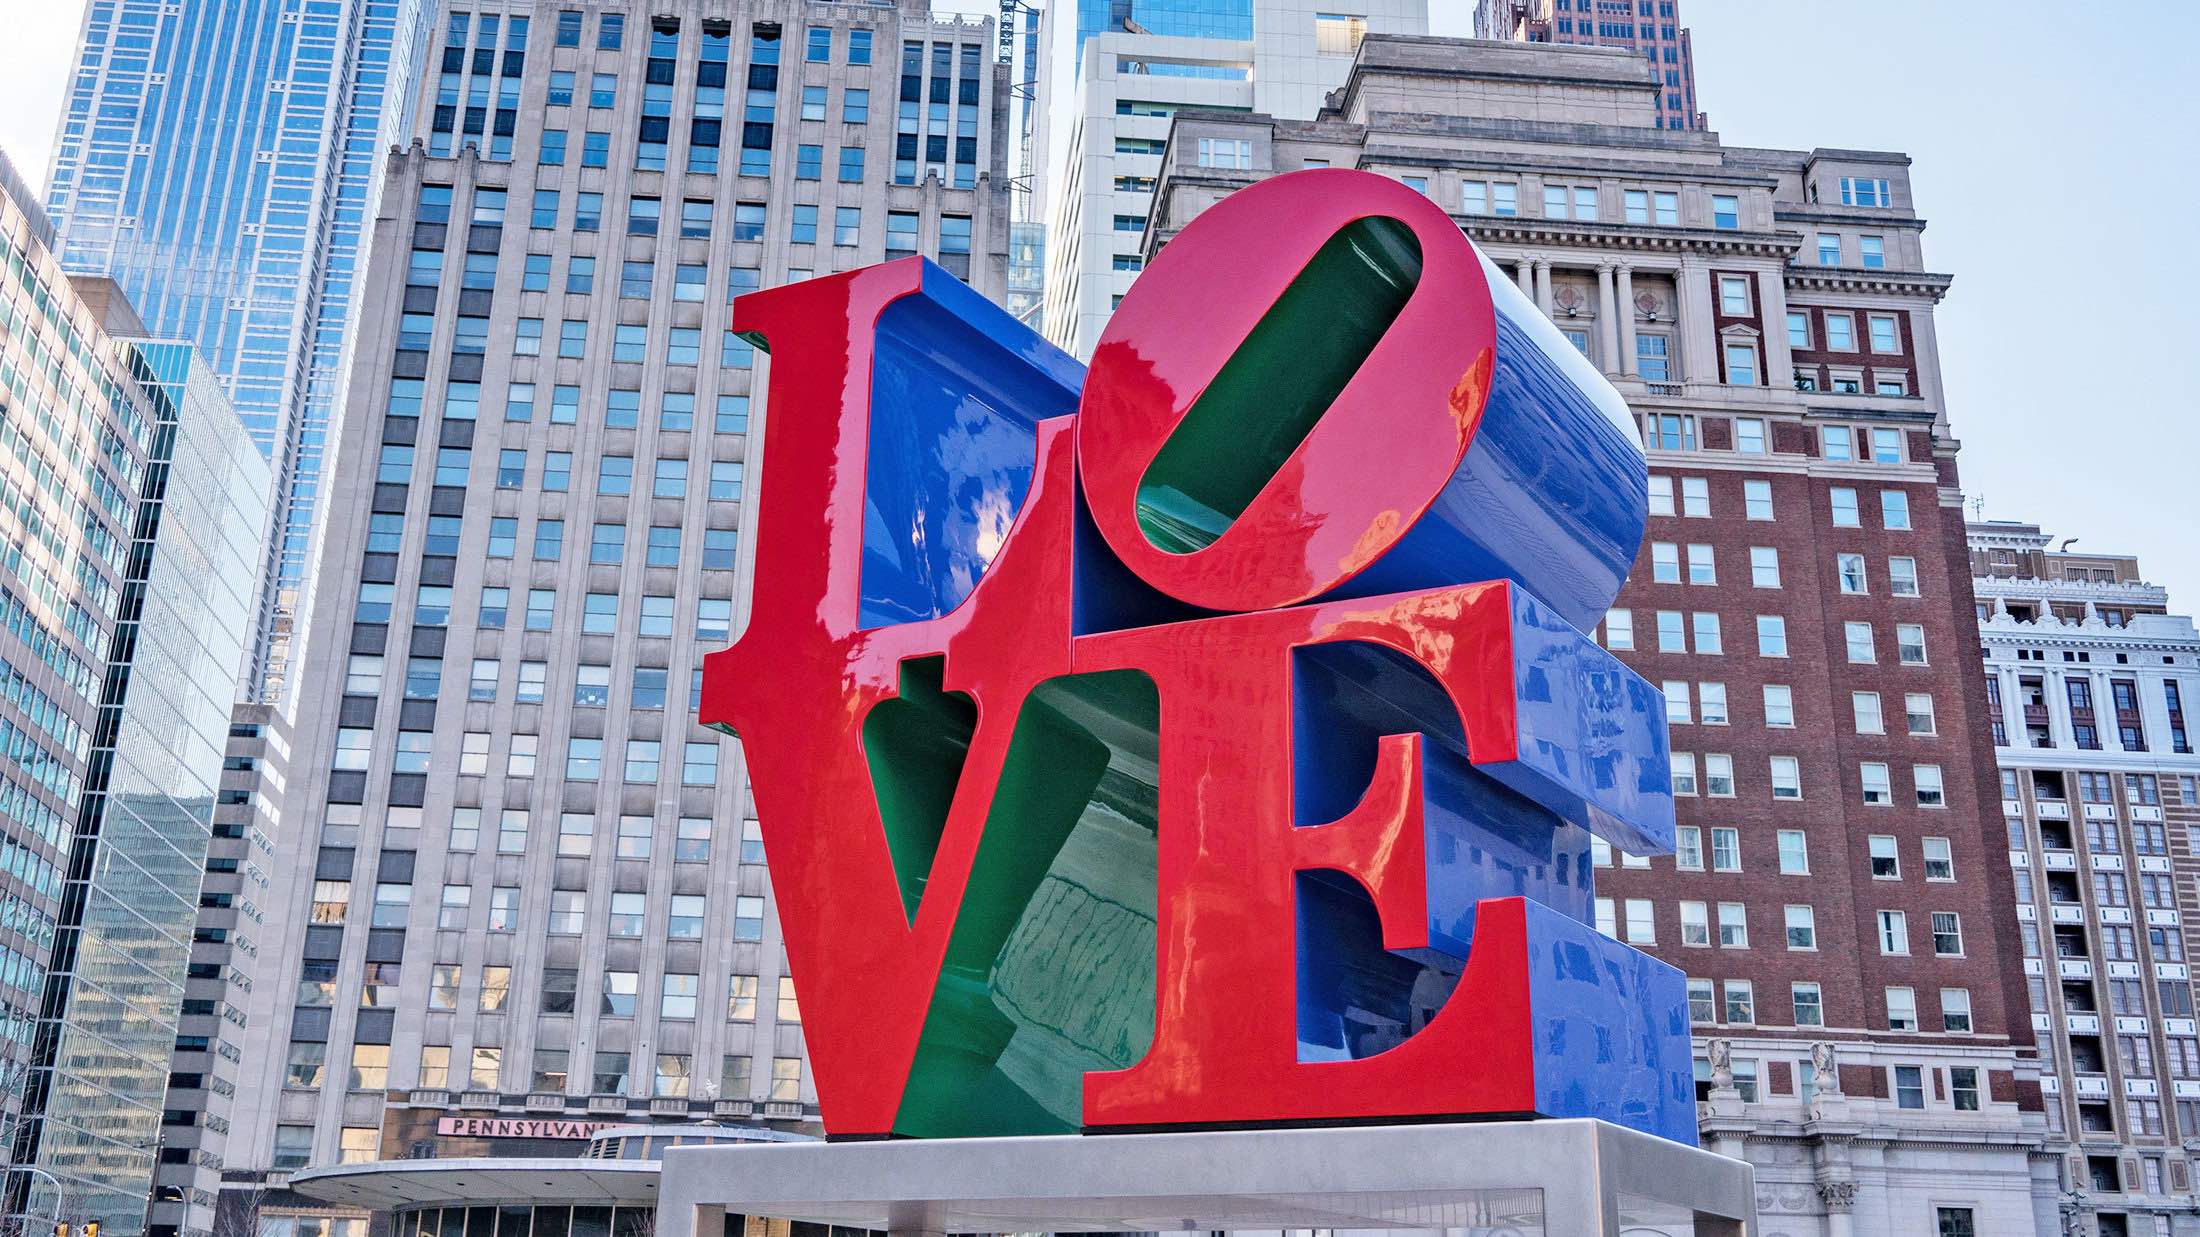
(2088, 675)
(515, 878)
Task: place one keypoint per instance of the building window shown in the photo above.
(1794, 853)
(1734, 295)
(1956, 1221)
(1857, 636)
(1733, 925)
(1779, 706)
(1955, 1009)
(1337, 34)
(1930, 791)
(1787, 777)
(1726, 212)
(1894, 933)
(1865, 707)
(1947, 934)
(1726, 850)
(1802, 927)
(1702, 1002)
(1810, 1005)
(1901, 1010)
(1885, 863)
(1741, 365)
(1873, 250)
(1902, 576)
(1741, 1002)
(1865, 191)
(1910, 643)
(1878, 790)
(1225, 152)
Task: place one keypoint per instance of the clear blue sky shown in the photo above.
(2056, 149)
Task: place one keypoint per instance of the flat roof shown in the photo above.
(388, 1184)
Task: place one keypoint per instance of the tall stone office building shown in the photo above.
(136, 512)
(516, 878)
(1840, 899)
(2088, 675)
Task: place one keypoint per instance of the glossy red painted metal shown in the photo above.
(867, 970)
(1382, 453)
(1225, 1047)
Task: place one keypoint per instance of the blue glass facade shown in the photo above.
(1196, 19)
(220, 160)
(114, 992)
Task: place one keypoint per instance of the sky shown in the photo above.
(2051, 153)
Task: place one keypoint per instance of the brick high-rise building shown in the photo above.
(1841, 897)
(514, 877)
(2088, 675)
(1649, 28)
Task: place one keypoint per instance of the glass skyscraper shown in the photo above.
(137, 511)
(221, 161)
(115, 989)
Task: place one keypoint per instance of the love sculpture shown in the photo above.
(1208, 737)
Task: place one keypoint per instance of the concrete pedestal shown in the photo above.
(1573, 1178)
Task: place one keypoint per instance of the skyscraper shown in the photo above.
(2087, 675)
(1649, 27)
(143, 512)
(1840, 896)
(220, 160)
(1135, 62)
(514, 876)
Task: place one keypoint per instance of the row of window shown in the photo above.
(1799, 925)
(1694, 501)
(2119, 942)
(334, 902)
(1658, 207)
(482, 1069)
(1718, 781)
(1699, 632)
(1850, 570)
(1752, 436)
(398, 464)
(1839, 331)
(1706, 703)
(1807, 1005)
(1792, 847)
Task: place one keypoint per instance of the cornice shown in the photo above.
(1854, 280)
(1528, 230)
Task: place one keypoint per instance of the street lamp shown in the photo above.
(53, 1218)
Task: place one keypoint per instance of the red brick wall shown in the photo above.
(1847, 964)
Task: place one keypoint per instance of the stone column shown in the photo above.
(1626, 299)
(2104, 707)
(1607, 320)
(1839, 1200)
(1772, 312)
(1524, 275)
(2012, 710)
(1543, 285)
(1695, 330)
